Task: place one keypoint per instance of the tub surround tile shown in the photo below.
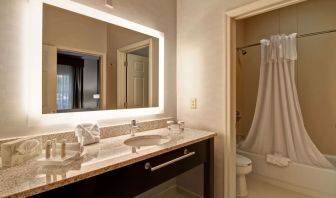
(111, 153)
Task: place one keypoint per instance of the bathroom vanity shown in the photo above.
(113, 169)
(75, 47)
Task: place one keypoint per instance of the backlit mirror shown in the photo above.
(90, 65)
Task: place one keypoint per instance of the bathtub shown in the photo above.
(331, 159)
(309, 180)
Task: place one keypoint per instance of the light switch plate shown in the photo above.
(193, 103)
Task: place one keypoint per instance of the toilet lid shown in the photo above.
(242, 161)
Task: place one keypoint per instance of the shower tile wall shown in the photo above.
(316, 69)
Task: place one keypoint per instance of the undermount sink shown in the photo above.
(147, 140)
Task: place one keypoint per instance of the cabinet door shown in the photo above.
(131, 180)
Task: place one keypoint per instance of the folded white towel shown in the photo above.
(88, 133)
(277, 159)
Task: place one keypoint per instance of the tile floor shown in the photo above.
(257, 189)
(172, 193)
(260, 189)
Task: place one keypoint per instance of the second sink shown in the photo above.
(147, 140)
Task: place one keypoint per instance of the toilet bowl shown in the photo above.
(243, 167)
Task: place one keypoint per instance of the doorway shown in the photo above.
(135, 71)
(73, 80)
(137, 78)
(232, 16)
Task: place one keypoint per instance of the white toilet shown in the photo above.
(243, 167)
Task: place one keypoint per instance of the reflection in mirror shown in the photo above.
(91, 65)
(77, 81)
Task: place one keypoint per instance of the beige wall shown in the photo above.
(118, 37)
(200, 68)
(316, 71)
(157, 14)
(62, 28)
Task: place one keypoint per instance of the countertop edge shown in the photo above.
(99, 171)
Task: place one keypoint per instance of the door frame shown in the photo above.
(49, 99)
(102, 71)
(121, 71)
(231, 16)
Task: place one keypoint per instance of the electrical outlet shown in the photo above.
(193, 103)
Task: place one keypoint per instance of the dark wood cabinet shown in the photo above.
(139, 177)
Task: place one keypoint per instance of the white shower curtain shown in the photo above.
(277, 125)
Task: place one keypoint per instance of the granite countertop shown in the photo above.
(31, 178)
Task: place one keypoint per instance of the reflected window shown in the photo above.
(77, 81)
(64, 94)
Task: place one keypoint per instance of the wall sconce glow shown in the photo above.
(35, 116)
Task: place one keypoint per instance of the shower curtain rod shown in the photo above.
(299, 36)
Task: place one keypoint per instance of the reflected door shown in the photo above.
(137, 81)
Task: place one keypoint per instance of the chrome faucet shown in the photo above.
(134, 127)
(181, 125)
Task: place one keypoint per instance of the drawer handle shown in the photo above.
(186, 155)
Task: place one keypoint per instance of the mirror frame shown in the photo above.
(34, 49)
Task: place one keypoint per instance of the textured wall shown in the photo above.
(157, 14)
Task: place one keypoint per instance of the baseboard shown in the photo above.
(281, 184)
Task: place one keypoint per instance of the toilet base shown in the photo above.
(241, 186)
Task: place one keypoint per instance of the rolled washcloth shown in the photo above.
(88, 133)
(277, 159)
